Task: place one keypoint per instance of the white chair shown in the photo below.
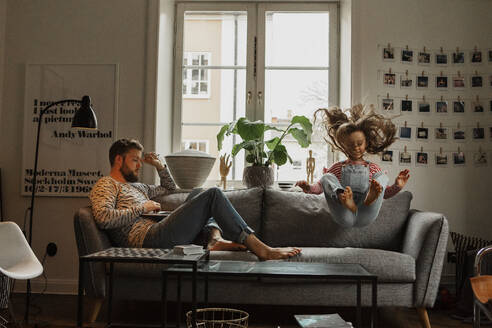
(17, 260)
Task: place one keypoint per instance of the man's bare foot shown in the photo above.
(278, 253)
(220, 244)
(347, 200)
(375, 190)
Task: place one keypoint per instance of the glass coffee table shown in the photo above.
(135, 255)
(280, 269)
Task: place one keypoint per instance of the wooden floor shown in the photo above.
(60, 311)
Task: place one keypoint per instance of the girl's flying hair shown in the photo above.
(379, 131)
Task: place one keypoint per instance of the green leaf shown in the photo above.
(220, 136)
(269, 127)
(248, 145)
(302, 138)
(250, 158)
(305, 124)
(280, 155)
(272, 143)
(250, 130)
(290, 159)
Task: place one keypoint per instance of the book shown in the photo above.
(322, 321)
(190, 249)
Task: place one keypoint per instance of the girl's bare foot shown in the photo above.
(347, 200)
(220, 244)
(375, 190)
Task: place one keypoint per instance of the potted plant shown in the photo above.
(261, 153)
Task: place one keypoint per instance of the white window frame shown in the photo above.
(190, 67)
(255, 85)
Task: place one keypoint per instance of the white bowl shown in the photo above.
(190, 168)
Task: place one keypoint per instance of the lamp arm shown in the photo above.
(35, 173)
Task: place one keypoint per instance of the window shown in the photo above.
(196, 81)
(271, 61)
(201, 145)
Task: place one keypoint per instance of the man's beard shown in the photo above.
(129, 175)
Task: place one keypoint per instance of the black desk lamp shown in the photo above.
(84, 118)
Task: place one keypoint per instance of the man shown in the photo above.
(118, 201)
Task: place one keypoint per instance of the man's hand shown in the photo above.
(150, 206)
(402, 178)
(304, 185)
(153, 159)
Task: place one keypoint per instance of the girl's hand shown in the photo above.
(304, 185)
(402, 178)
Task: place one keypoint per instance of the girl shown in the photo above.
(354, 188)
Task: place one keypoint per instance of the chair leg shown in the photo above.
(424, 317)
(94, 308)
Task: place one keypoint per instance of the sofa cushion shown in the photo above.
(388, 266)
(299, 219)
(247, 202)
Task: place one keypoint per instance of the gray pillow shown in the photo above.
(298, 219)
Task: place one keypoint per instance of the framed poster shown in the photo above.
(70, 161)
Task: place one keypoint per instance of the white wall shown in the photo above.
(462, 194)
(66, 31)
(3, 15)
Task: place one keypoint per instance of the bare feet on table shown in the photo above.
(375, 190)
(279, 253)
(347, 200)
(219, 244)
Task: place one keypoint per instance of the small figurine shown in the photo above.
(310, 166)
(225, 166)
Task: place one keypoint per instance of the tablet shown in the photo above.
(160, 214)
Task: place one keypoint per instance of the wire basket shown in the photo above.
(218, 318)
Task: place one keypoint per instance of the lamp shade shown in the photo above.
(84, 117)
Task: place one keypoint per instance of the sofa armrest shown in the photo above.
(425, 240)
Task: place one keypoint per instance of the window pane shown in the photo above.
(223, 34)
(294, 92)
(297, 39)
(194, 74)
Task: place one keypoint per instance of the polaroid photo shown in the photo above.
(459, 158)
(405, 158)
(476, 81)
(406, 106)
(478, 134)
(388, 54)
(441, 159)
(423, 134)
(458, 57)
(387, 156)
(480, 158)
(405, 133)
(388, 105)
(424, 58)
(459, 134)
(441, 59)
(422, 81)
(407, 56)
(441, 134)
(441, 82)
(406, 82)
(476, 57)
(441, 106)
(421, 159)
(389, 79)
(459, 82)
(458, 106)
(424, 107)
(477, 107)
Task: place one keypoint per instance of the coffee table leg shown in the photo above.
(374, 316)
(178, 305)
(359, 307)
(164, 299)
(193, 282)
(110, 292)
(80, 298)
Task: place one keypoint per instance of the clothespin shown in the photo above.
(478, 99)
(475, 49)
(423, 73)
(405, 124)
(422, 124)
(421, 149)
(441, 98)
(459, 98)
(440, 150)
(390, 70)
(406, 47)
(476, 72)
(387, 95)
(442, 50)
(406, 73)
(440, 125)
(458, 125)
(459, 150)
(457, 49)
(478, 125)
(406, 97)
(459, 74)
(405, 149)
(423, 98)
(389, 45)
(441, 73)
(424, 49)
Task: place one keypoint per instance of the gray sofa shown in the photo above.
(404, 247)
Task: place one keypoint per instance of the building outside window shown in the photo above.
(201, 145)
(271, 61)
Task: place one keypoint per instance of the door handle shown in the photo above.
(248, 97)
(260, 97)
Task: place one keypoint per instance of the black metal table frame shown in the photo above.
(111, 260)
(373, 279)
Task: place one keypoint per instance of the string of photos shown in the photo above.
(457, 83)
